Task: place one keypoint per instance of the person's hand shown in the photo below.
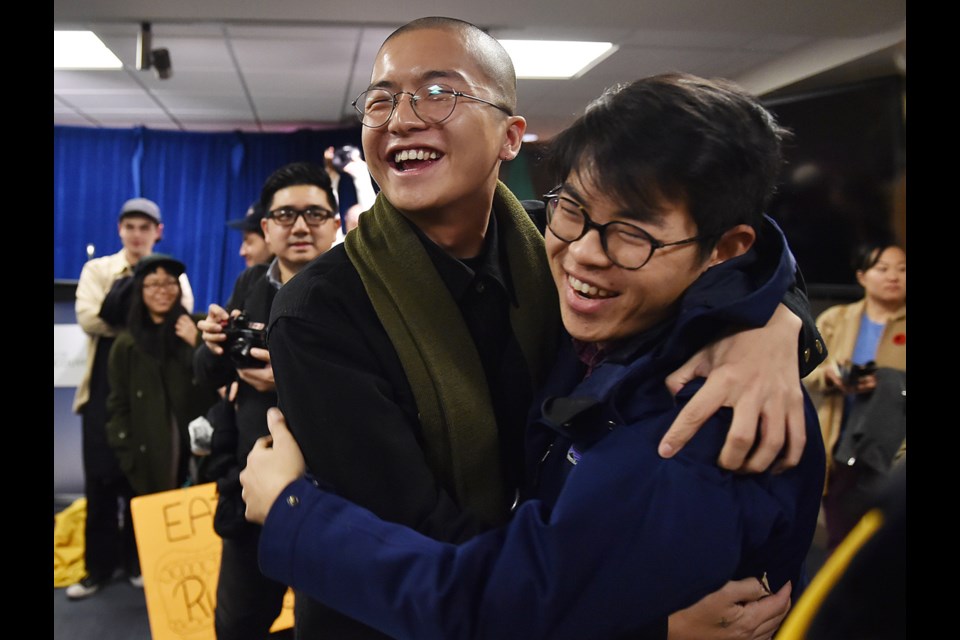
(329, 168)
(356, 169)
(740, 610)
(834, 380)
(328, 159)
(211, 327)
(186, 330)
(757, 373)
(270, 468)
(865, 383)
(260, 379)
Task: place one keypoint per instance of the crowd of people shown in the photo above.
(492, 422)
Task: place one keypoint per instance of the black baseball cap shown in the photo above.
(170, 264)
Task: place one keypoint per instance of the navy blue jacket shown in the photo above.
(613, 538)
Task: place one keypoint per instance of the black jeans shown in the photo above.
(247, 601)
(108, 540)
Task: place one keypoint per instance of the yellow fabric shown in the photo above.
(68, 539)
(806, 609)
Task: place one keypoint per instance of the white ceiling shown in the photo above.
(280, 65)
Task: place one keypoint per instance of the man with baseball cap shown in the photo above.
(253, 249)
(108, 543)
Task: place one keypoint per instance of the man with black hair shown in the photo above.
(299, 223)
(108, 540)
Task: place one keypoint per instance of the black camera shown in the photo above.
(856, 371)
(243, 335)
(344, 156)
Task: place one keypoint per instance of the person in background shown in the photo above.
(867, 345)
(153, 392)
(662, 188)
(253, 249)
(351, 218)
(349, 160)
(108, 536)
(300, 222)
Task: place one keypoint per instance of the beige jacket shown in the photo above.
(839, 327)
(96, 278)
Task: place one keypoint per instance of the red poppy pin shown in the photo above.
(900, 338)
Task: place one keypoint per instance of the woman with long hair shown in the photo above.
(153, 395)
(860, 389)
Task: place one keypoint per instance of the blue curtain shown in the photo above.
(199, 180)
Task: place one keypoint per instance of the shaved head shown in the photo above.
(489, 54)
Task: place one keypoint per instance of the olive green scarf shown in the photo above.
(435, 347)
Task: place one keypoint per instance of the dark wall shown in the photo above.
(843, 182)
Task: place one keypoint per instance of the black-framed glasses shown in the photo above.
(432, 103)
(626, 245)
(313, 216)
(161, 284)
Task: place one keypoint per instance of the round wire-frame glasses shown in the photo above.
(432, 103)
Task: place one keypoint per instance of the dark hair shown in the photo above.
(868, 254)
(681, 139)
(157, 340)
(257, 212)
(496, 63)
(294, 174)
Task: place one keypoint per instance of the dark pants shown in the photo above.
(109, 541)
(851, 492)
(247, 602)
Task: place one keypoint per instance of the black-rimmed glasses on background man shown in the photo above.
(432, 103)
(313, 216)
(626, 245)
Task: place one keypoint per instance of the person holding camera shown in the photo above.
(300, 223)
(860, 389)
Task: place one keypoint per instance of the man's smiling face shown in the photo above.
(457, 161)
(601, 302)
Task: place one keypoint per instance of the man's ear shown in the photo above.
(734, 242)
(266, 236)
(159, 231)
(513, 138)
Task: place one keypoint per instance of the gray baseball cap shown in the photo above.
(143, 207)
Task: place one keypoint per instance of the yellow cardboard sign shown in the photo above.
(180, 562)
